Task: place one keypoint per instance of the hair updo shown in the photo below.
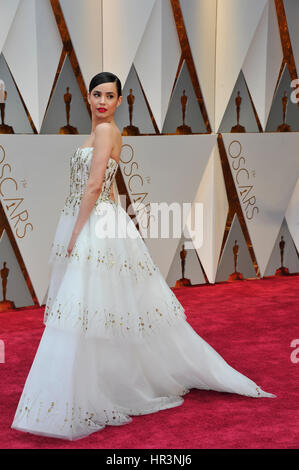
(105, 77)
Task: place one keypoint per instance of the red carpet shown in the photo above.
(250, 323)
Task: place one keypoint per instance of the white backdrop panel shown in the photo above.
(84, 23)
(123, 26)
(265, 168)
(33, 46)
(39, 172)
(20, 52)
(237, 21)
(292, 215)
(212, 194)
(157, 59)
(165, 169)
(49, 47)
(265, 55)
(200, 22)
(8, 10)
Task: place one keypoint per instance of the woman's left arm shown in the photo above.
(103, 144)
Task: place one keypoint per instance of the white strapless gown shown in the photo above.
(116, 341)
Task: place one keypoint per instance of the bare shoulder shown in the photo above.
(104, 128)
(109, 134)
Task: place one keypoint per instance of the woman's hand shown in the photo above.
(71, 244)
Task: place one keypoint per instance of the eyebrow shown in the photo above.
(99, 91)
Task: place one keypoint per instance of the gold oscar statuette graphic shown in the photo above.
(68, 129)
(4, 128)
(282, 271)
(184, 129)
(235, 276)
(284, 127)
(5, 304)
(183, 282)
(131, 130)
(238, 127)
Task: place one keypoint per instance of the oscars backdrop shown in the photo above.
(210, 118)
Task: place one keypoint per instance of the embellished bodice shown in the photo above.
(79, 173)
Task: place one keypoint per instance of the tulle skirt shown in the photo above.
(116, 341)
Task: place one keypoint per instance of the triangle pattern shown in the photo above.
(247, 118)
(174, 116)
(275, 118)
(290, 258)
(193, 269)
(16, 289)
(227, 261)
(14, 113)
(56, 117)
(140, 114)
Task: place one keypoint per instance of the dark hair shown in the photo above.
(105, 77)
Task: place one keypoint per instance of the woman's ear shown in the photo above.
(119, 100)
(88, 97)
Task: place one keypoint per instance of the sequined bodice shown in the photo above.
(79, 173)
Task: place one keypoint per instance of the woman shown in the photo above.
(116, 341)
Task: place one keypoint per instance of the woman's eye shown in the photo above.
(96, 95)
